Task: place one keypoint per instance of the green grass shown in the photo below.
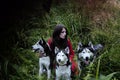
(24, 63)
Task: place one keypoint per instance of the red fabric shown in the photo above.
(49, 41)
(71, 55)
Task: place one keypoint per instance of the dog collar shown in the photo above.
(69, 63)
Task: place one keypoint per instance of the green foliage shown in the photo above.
(23, 64)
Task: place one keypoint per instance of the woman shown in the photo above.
(59, 39)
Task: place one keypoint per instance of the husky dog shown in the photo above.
(44, 60)
(63, 64)
(87, 53)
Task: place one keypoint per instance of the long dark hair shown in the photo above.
(57, 41)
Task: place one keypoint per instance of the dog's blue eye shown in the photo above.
(88, 51)
(83, 52)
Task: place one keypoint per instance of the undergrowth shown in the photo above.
(95, 27)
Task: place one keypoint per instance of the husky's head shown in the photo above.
(39, 46)
(62, 56)
(86, 53)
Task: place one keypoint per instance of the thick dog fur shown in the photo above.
(63, 64)
(44, 60)
(87, 53)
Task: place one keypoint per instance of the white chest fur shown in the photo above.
(44, 60)
(64, 72)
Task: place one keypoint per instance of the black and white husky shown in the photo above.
(87, 53)
(44, 60)
(63, 64)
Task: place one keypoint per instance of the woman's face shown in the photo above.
(63, 33)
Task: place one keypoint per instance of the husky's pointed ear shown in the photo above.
(91, 45)
(56, 50)
(43, 41)
(67, 50)
(98, 47)
(79, 48)
(40, 41)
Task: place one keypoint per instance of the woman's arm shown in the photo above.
(71, 56)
